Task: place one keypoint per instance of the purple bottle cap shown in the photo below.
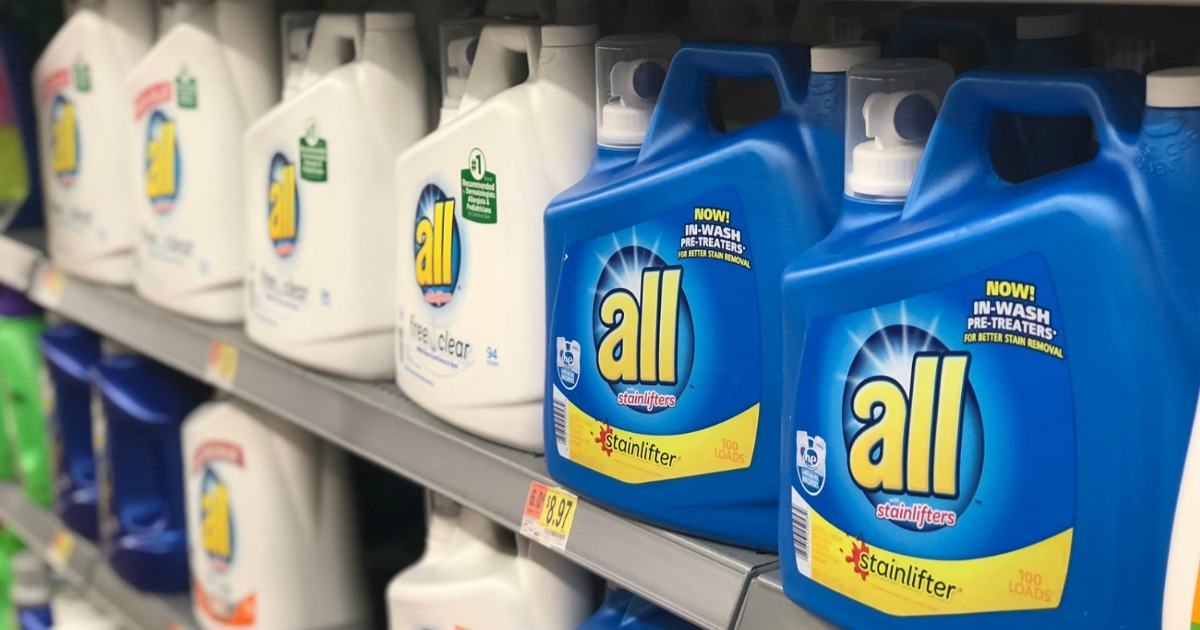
(14, 304)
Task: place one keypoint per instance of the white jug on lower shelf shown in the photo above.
(271, 524)
(475, 575)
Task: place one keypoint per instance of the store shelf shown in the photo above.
(80, 562)
(701, 581)
(19, 252)
(767, 608)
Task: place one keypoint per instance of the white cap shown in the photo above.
(841, 57)
(1049, 25)
(1177, 88)
(898, 124)
(31, 580)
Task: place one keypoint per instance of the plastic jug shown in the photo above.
(137, 408)
(623, 610)
(1170, 130)
(82, 116)
(70, 353)
(321, 237)
(475, 574)
(20, 190)
(472, 196)
(190, 99)
(673, 419)
(959, 390)
(21, 395)
(271, 523)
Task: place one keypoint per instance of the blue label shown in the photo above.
(657, 348)
(941, 428)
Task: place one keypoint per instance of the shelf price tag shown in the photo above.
(549, 514)
(221, 367)
(51, 284)
(62, 546)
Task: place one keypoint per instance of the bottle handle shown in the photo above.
(330, 36)
(498, 65)
(681, 116)
(957, 164)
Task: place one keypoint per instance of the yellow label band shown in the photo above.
(1025, 579)
(640, 458)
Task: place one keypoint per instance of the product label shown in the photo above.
(217, 590)
(185, 87)
(935, 450)
(283, 205)
(64, 141)
(478, 190)
(657, 363)
(432, 346)
(314, 154)
(83, 76)
(161, 162)
(275, 292)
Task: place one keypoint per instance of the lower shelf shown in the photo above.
(82, 565)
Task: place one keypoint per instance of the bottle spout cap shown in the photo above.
(630, 73)
(892, 105)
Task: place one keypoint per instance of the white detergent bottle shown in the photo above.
(271, 524)
(471, 318)
(189, 101)
(475, 575)
(319, 191)
(81, 125)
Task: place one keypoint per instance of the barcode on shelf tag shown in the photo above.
(549, 514)
(62, 545)
(50, 286)
(221, 367)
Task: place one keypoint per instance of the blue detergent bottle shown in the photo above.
(623, 610)
(961, 377)
(663, 295)
(70, 352)
(135, 429)
(1168, 157)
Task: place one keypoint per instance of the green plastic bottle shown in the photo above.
(21, 414)
(9, 546)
